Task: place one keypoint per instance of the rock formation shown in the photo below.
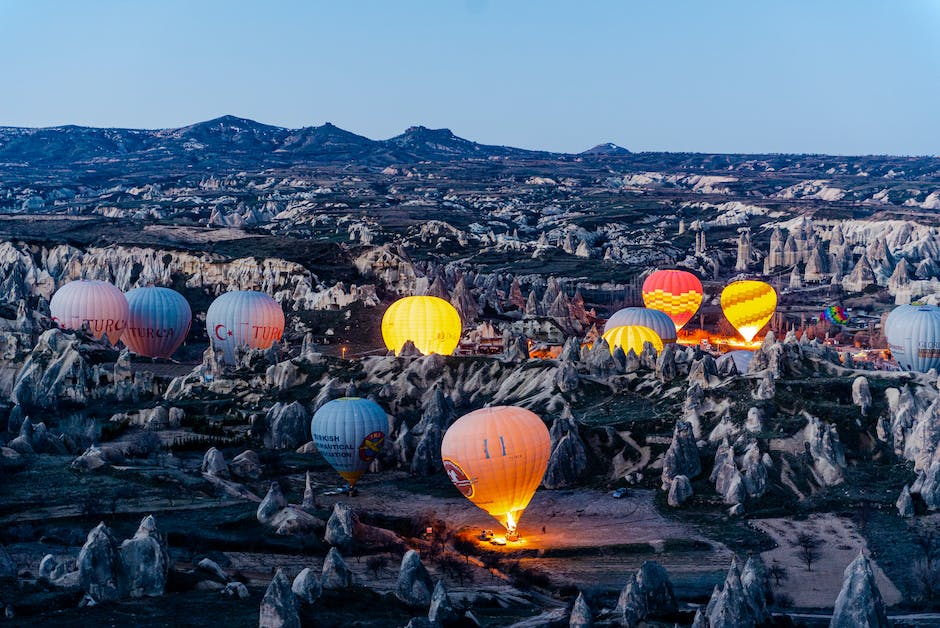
(414, 583)
(336, 575)
(859, 602)
(279, 607)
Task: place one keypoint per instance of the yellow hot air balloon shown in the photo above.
(496, 457)
(632, 337)
(432, 324)
(748, 306)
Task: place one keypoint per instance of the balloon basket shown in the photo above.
(512, 535)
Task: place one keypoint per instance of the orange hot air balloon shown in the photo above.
(748, 306)
(677, 293)
(496, 457)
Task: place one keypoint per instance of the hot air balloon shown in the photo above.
(349, 432)
(677, 293)
(913, 335)
(835, 314)
(654, 319)
(431, 323)
(748, 306)
(632, 337)
(158, 321)
(496, 457)
(95, 305)
(244, 318)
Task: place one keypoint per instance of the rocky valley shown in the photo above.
(693, 485)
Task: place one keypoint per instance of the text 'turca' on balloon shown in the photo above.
(98, 307)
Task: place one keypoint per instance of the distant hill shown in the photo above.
(235, 142)
(606, 150)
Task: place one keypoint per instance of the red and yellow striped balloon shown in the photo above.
(677, 293)
(748, 306)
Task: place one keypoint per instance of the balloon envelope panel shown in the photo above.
(913, 335)
(630, 337)
(676, 293)
(349, 433)
(431, 323)
(96, 305)
(496, 457)
(158, 321)
(646, 317)
(748, 306)
(244, 318)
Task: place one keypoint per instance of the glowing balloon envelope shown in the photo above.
(632, 337)
(158, 321)
(98, 306)
(496, 457)
(913, 335)
(349, 433)
(748, 306)
(431, 323)
(647, 317)
(244, 318)
(676, 293)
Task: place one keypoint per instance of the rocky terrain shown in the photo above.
(801, 487)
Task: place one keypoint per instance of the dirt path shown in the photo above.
(840, 543)
(616, 535)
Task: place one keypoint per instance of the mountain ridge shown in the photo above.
(240, 142)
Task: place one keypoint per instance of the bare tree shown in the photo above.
(807, 549)
(777, 572)
(926, 571)
(376, 563)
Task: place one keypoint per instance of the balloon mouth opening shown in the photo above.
(748, 333)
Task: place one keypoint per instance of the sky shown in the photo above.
(744, 76)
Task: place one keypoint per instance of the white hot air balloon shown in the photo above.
(158, 322)
(97, 306)
(243, 318)
(913, 335)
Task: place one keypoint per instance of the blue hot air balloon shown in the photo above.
(913, 335)
(158, 322)
(244, 318)
(644, 317)
(349, 433)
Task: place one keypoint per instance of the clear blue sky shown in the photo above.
(835, 76)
